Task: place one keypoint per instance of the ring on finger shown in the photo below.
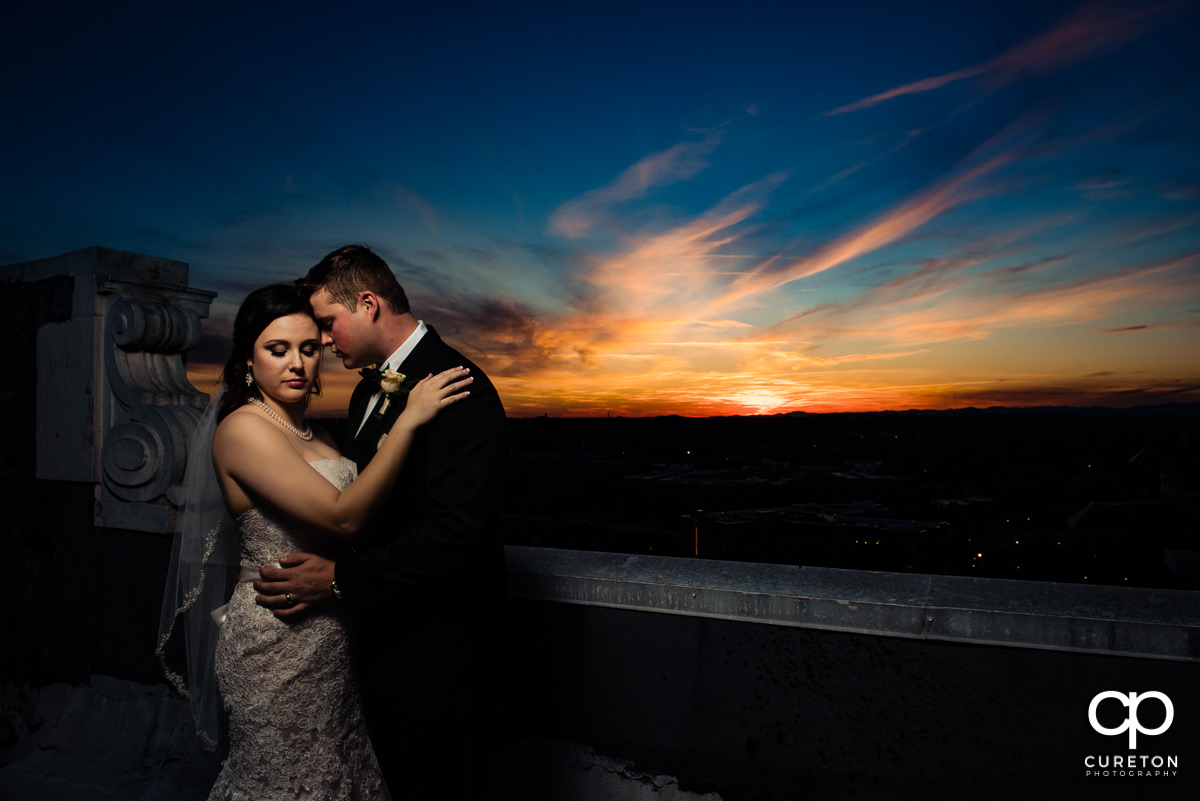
(287, 597)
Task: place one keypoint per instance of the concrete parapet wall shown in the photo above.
(1124, 621)
(751, 688)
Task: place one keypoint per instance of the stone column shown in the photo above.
(114, 406)
(99, 414)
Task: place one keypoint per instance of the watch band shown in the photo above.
(337, 591)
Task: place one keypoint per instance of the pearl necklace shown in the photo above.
(305, 435)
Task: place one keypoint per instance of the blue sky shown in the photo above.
(655, 208)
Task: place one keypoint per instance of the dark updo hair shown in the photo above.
(260, 308)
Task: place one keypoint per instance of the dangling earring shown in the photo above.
(249, 378)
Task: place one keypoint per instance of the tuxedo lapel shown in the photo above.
(367, 441)
(363, 445)
(354, 415)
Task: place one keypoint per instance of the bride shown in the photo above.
(275, 484)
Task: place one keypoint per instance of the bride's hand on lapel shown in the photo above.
(434, 393)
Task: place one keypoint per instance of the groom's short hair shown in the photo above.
(351, 270)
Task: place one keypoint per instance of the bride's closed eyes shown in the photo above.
(280, 349)
(308, 350)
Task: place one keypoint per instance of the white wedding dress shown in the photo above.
(296, 726)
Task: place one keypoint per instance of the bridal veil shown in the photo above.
(200, 579)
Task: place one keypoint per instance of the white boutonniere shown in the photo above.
(391, 381)
(392, 384)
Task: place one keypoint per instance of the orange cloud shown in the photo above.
(676, 268)
(665, 330)
(943, 302)
(886, 229)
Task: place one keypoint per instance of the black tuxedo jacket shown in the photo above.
(427, 583)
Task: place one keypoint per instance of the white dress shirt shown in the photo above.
(394, 361)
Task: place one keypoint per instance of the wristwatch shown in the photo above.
(337, 591)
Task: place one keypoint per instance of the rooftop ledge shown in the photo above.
(1121, 621)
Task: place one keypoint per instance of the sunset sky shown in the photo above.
(655, 208)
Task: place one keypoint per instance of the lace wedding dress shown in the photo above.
(296, 726)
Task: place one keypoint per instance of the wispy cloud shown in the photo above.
(677, 268)
(1190, 323)
(1114, 392)
(414, 204)
(1091, 30)
(1173, 190)
(885, 229)
(678, 163)
(1105, 185)
(947, 301)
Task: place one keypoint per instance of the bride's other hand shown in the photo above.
(435, 392)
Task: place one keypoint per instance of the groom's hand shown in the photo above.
(301, 580)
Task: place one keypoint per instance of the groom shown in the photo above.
(427, 585)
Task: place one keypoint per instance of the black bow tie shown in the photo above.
(372, 373)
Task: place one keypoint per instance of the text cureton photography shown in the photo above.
(1128, 705)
